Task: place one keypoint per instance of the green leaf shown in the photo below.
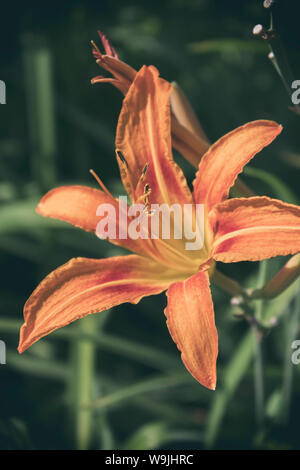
(228, 46)
(280, 189)
(232, 376)
(28, 364)
(145, 386)
(138, 352)
(21, 216)
(150, 436)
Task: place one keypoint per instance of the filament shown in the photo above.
(101, 184)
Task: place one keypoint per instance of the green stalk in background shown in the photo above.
(81, 383)
(258, 355)
(292, 331)
(41, 116)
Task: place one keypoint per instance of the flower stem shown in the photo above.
(258, 377)
(258, 356)
(226, 283)
(262, 275)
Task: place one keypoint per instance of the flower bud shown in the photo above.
(281, 281)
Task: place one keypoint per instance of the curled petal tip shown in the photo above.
(212, 385)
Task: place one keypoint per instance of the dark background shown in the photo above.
(54, 128)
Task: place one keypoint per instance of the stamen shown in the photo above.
(121, 157)
(145, 195)
(147, 192)
(149, 213)
(145, 169)
(125, 175)
(95, 47)
(101, 184)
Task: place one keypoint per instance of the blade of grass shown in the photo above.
(280, 189)
(226, 45)
(149, 436)
(41, 367)
(292, 326)
(91, 126)
(240, 363)
(258, 355)
(232, 376)
(81, 384)
(145, 386)
(21, 216)
(41, 118)
(107, 342)
(168, 411)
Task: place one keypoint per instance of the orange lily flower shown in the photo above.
(235, 230)
(188, 136)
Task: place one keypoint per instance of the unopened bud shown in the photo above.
(281, 281)
(258, 30)
(236, 301)
(264, 34)
(269, 3)
(184, 113)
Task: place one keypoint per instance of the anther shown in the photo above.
(146, 210)
(145, 169)
(145, 195)
(121, 157)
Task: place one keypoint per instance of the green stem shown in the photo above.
(41, 113)
(82, 383)
(258, 356)
(292, 324)
(258, 377)
(262, 275)
(226, 283)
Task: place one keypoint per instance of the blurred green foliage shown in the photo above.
(54, 127)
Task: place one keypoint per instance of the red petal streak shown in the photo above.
(84, 286)
(78, 205)
(255, 228)
(144, 138)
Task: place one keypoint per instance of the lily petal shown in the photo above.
(108, 47)
(222, 163)
(255, 228)
(84, 286)
(144, 140)
(190, 319)
(123, 73)
(184, 113)
(78, 206)
(191, 146)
